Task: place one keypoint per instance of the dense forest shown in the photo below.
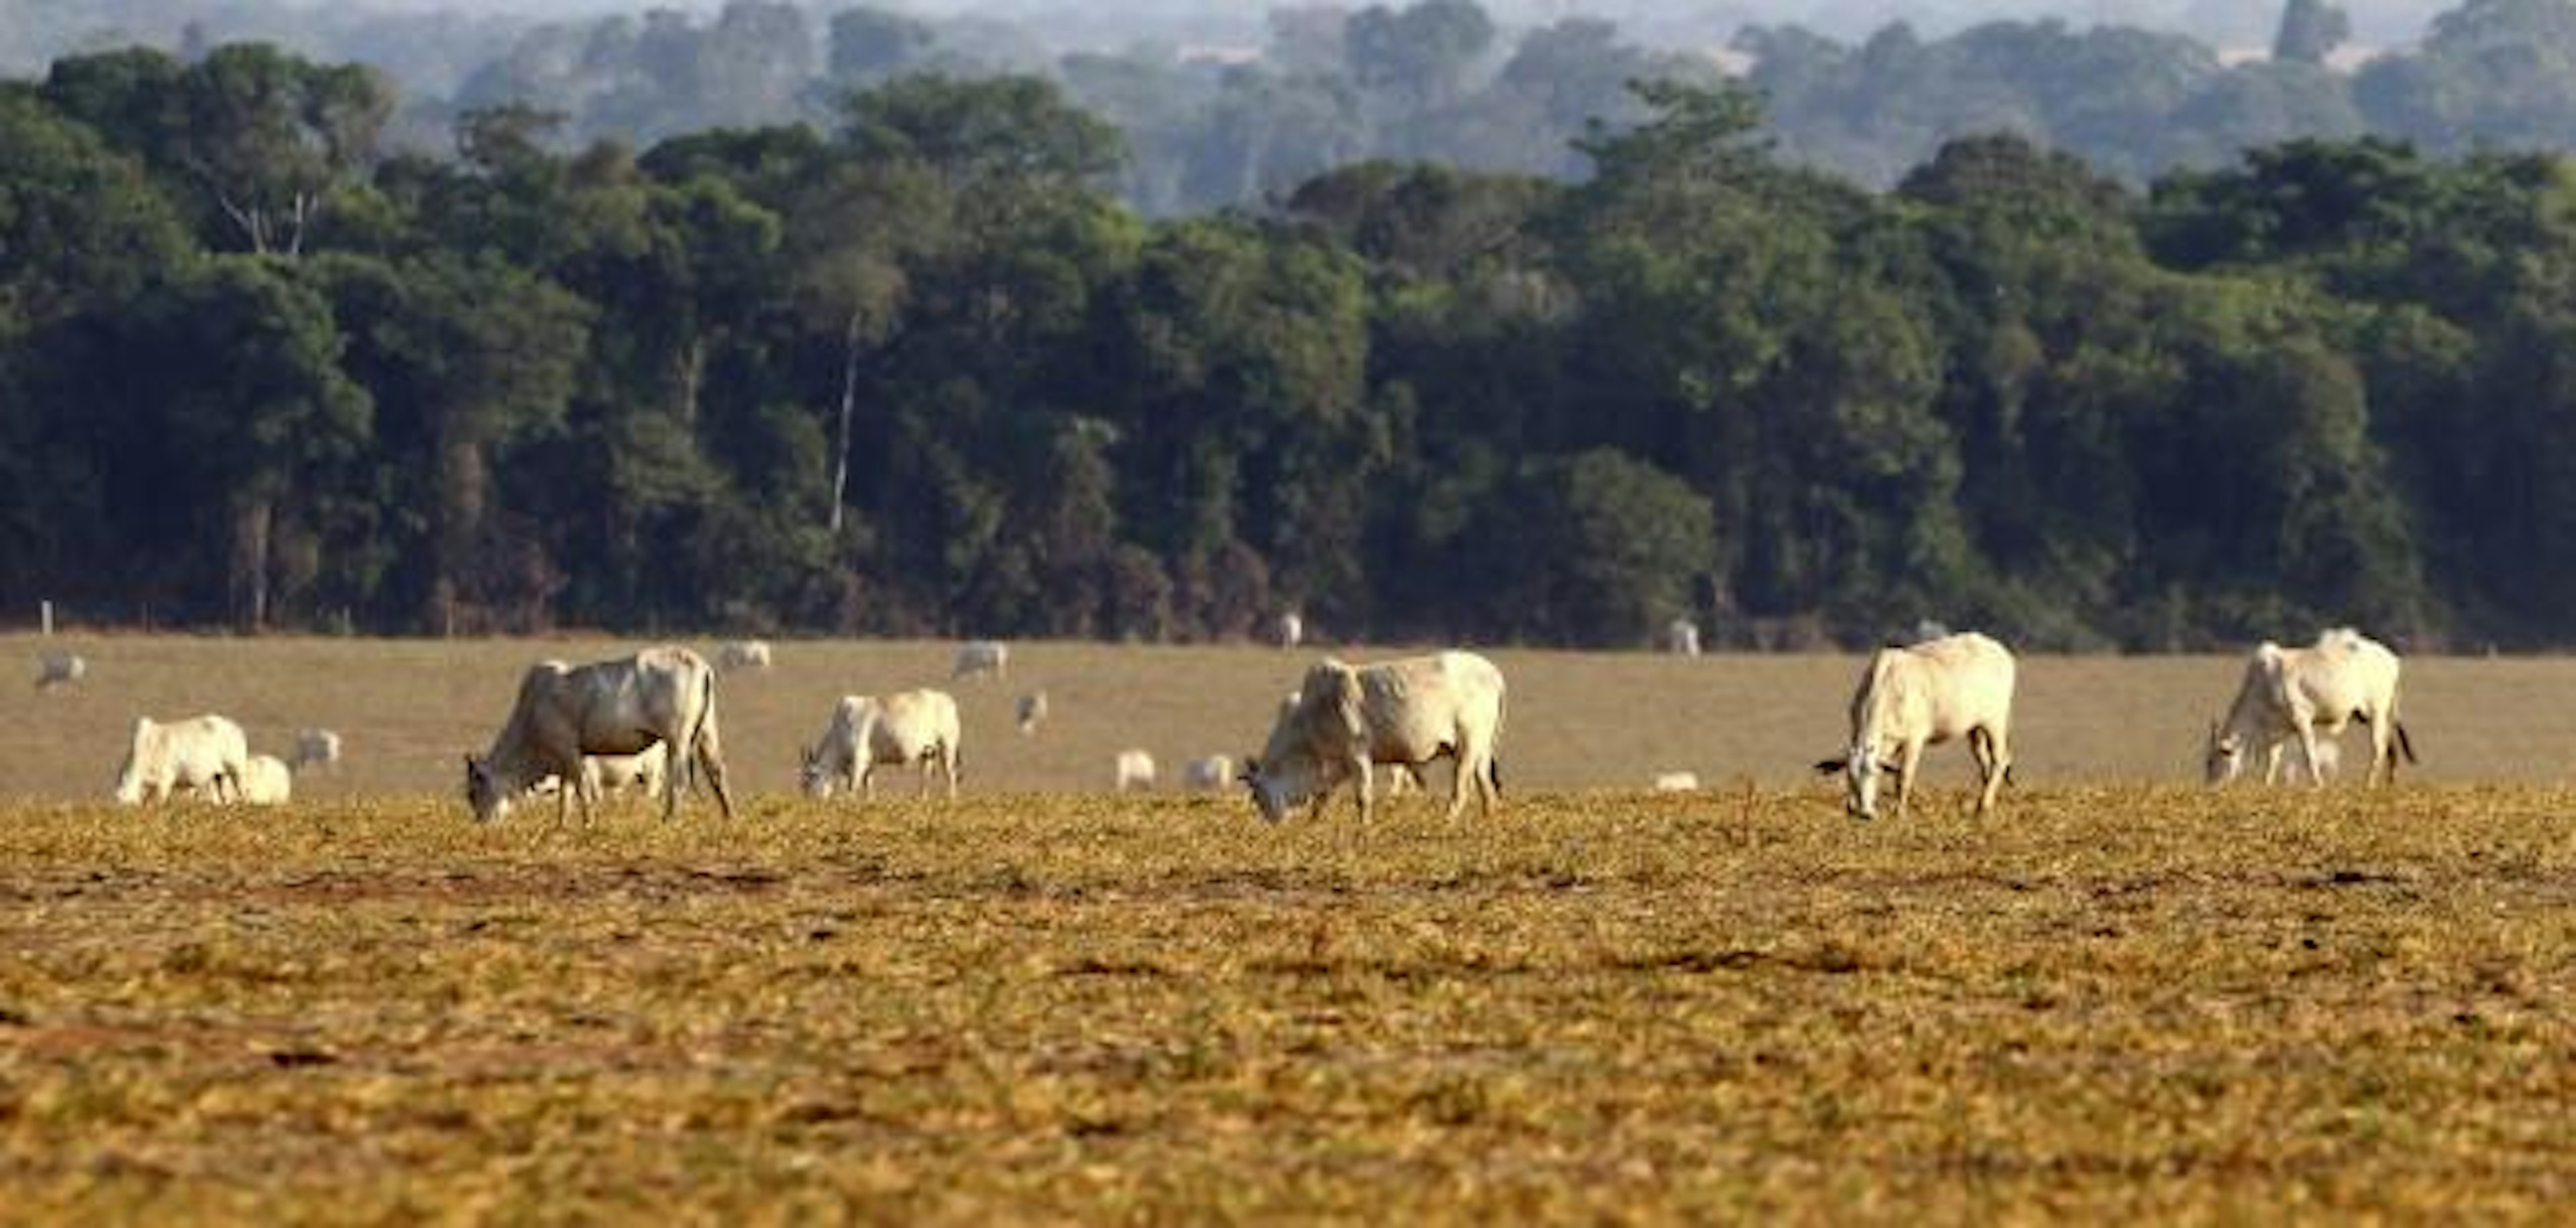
(922, 370)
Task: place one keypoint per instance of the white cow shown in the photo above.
(981, 657)
(1407, 712)
(1681, 638)
(1208, 774)
(2290, 696)
(1032, 712)
(605, 774)
(1676, 782)
(1135, 770)
(314, 746)
(742, 654)
(1923, 695)
(619, 707)
(206, 755)
(267, 781)
(905, 728)
(1290, 629)
(57, 667)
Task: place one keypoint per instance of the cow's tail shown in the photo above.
(2405, 745)
(706, 746)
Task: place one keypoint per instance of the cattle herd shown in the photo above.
(648, 722)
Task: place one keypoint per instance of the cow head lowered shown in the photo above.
(1318, 730)
(1861, 769)
(2224, 755)
(484, 790)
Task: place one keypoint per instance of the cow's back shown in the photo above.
(1938, 689)
(911, 722)
(1413, 707)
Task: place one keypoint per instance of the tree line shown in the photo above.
(922, 372)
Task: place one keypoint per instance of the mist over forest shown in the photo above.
(1234, 105)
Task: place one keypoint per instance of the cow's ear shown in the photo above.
(1827, 767)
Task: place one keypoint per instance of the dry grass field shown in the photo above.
(2119, 999)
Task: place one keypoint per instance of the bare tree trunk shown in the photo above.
(252, 524)
(849, 409)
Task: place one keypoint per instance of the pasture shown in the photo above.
(2117, 998)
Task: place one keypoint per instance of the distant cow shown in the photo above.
(1209, 774)
(742, 654)
(1676, 782)
(981, 657)
(1923, 695)
(1135, 770)
(57, 667)
(2290, 696)
(1409, 712)
(618, 707)
(1681, 638)
(315, 746)
(206, 755)
(267, 781)
(907, 728)
(1289, 630)
(1032, 712)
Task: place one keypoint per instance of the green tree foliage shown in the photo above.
(921, 373)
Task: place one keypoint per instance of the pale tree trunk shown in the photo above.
(849, 409)
(253, 524)
(460, 486)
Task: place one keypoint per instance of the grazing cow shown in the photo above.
(58, 667)
(1406, 712)
(2292, 695)
(1032, 712)
(742, 654)
(1209, 774)
(1135, 770)
(1676, 782)
(315, 746)
(618, 707)
(905, 728)
(1289, 630)
(206, 755)
(980, 657)
(1681, 638)
(267, 781)
(1923, 695)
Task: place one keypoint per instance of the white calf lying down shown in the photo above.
(266, 781)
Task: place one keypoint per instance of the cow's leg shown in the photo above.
(1908, 756)
(2307, 731)
(1366, 787)
(710, 757)
(1994, 759)
(948, 765)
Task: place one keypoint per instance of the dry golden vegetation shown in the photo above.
(2112, 1001)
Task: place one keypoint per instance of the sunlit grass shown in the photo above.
(2104, 1003)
